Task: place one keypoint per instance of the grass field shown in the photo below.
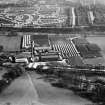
(10, 43)
(100, 41)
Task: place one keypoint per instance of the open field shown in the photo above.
(100, 41)
(81, 16)
(36, 89)
(10, 43)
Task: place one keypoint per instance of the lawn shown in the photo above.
(100, 41)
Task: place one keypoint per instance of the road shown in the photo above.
(73, 16)
(34, 89)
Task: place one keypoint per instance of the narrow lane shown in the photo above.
(32, 85)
